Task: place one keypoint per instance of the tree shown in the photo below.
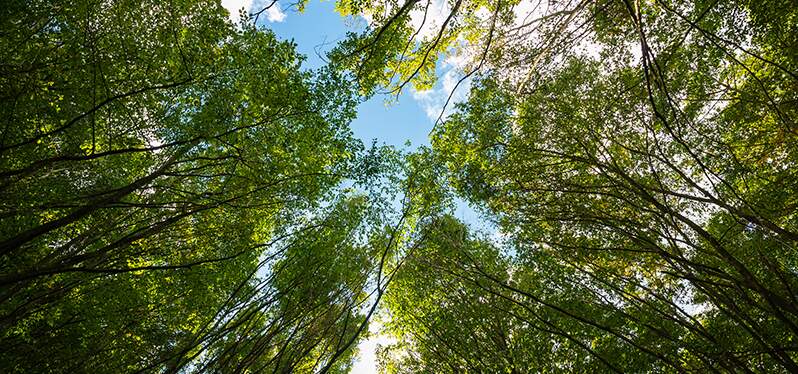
(180, 195)
(641, 157)
(158, 165)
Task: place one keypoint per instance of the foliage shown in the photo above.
(640, 157)
(158, 164)
(179, 194)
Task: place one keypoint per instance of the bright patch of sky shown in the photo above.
(367, 360)
(430, 20)
(234, 7)
(451, 89)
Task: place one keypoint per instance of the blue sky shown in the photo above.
(315, 31)
(408, 119)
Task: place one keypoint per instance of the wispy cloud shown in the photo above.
(428, 26)
(273, 14)
(434, 101)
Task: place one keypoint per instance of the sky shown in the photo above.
(407, 120)
(315, 31)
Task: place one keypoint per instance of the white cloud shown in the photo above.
(235, 6)
(437, 12)
(275, 14)
(433, 101)
(526, 11)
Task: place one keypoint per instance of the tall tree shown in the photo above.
(169, 194)
(640, 155)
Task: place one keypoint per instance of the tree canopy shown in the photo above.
(179, 194)
(640, 158)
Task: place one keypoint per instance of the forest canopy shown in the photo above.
(179, 193)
